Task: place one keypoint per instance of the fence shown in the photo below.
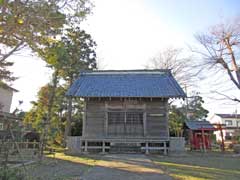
(13, 147)
(77, 144)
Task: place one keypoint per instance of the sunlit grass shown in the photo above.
(197, 167)
(75, 159)
(190, 167)
(126, 166)
(107, 163)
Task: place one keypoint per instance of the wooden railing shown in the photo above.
(77, 144)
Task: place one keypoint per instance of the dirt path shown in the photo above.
(125, 167)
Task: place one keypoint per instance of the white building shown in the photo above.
(6, 94)
(229, 120)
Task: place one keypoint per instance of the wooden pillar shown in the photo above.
(165, 148)
(191, 139)
(203, 140)
(146, 148)
(167, 116)
(86, 146)
(84, 118)
(80, 145)
(106, 119)
(103, 147)
(145, 123)
(125, 120)
(209, 141)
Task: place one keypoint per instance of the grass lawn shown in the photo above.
(192, 166)
(199, 166)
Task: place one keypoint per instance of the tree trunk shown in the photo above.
(234, 63)
(69, 117)
(69, 120)
(52, 92)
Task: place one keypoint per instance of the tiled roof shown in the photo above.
(129, 83)
(5, 86)
(198, 125)
(229, 115)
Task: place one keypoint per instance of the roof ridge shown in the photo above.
(135, 71)
(227, 114)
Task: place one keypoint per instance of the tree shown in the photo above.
(29, 23)
(221, 51)
(176, 120)
(75, 51)
(80, 49)
(173, 59)
(195, 109)
(34, 118)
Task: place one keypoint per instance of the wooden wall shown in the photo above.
(94, 119)
(5, 99)
(157, 118)
(155, 115)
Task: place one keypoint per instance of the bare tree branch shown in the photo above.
(172, 58)
(19, 46)
(220, 50)
(228, 97)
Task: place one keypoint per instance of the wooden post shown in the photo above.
(80, 145)
(165, 148)
(106, 119)
(86, 146)
(146, 148)
(191, 140)
(144, 124)
(209, 142)
(167, 117)
(203, 141)
(84, 118)
(125, 120)
(103, 147)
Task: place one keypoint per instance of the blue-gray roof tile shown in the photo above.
(132, 83)
(198, 125)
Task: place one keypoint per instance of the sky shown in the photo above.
(130, 32)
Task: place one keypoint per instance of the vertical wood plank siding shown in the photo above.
(157, 122)
(95, 119)
(155, 116)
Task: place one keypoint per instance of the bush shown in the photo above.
(11, 174)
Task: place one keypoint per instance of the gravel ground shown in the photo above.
(125, 167)
(107, 167)
(53, 169)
